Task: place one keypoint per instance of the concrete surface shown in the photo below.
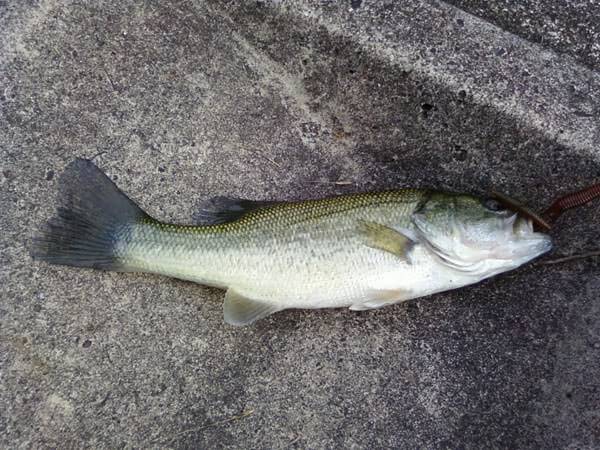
(182, 100)
(569, 27)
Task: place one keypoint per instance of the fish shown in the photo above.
(361, 251)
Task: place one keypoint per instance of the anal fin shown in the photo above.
(239, 310)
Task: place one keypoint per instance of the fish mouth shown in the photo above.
(535, 245)
(529, 243)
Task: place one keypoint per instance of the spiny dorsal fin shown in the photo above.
(227, 209)
(239, 310)
(386, 238)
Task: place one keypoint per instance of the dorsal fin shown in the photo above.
(227, 209)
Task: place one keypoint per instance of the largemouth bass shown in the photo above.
(360, 251)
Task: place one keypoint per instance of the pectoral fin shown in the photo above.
(387, 239)
(239, 310)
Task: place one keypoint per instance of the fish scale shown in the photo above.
(307, 244)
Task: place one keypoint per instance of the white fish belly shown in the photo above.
(374, 279)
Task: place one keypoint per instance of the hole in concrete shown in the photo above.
(460, 154)
(426, 109)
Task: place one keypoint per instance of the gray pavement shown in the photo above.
(182, 100)
(569, 27)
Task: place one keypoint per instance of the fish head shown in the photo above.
(477, 235)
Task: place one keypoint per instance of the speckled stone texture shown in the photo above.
(182, 100)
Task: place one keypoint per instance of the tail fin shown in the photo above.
(93, 216)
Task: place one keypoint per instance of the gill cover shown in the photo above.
(476, 236)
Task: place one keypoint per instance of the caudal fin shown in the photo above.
(92, 218)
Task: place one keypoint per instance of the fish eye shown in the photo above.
(493, 205)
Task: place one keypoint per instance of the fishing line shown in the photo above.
(520, 208)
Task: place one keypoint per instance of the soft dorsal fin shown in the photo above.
(239, 310)
(386, 238)
(227, 209)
